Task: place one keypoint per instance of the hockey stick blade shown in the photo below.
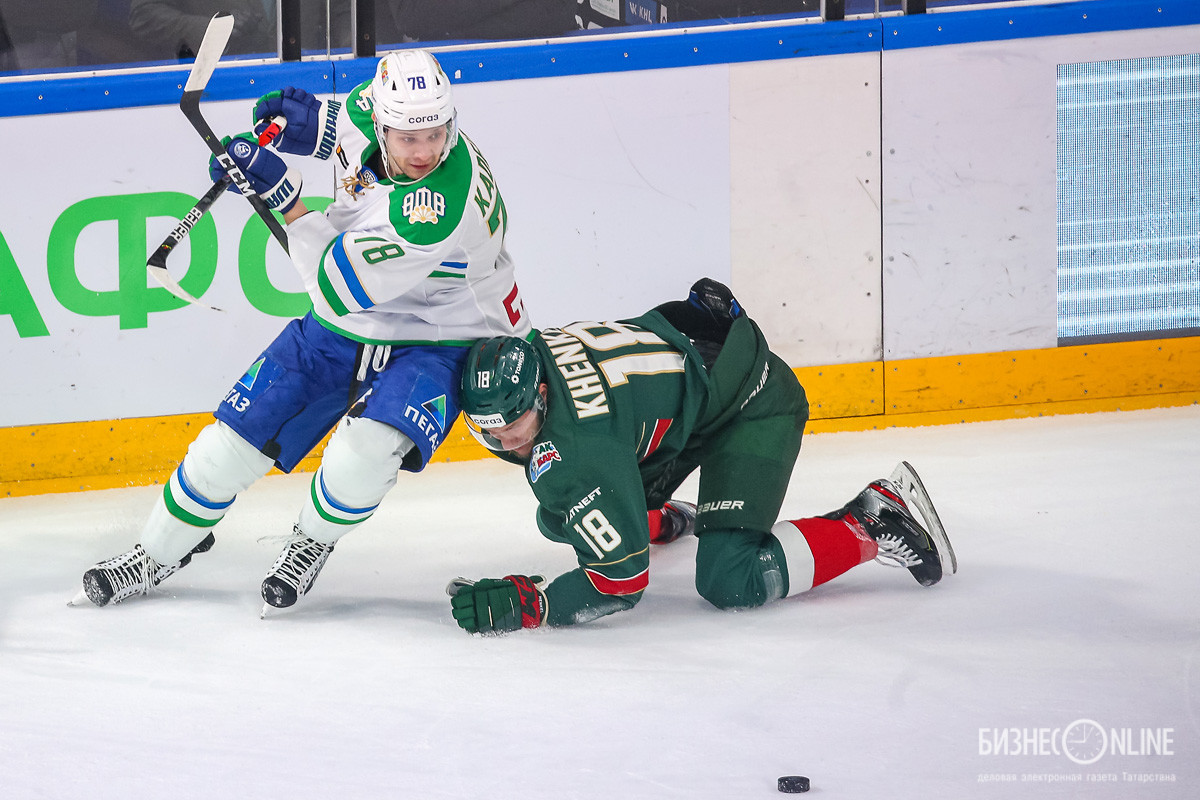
(156, 265)
(211, 49)
(913, 491)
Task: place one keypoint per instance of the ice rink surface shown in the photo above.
(1070, 634)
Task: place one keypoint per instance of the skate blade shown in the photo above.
(911, 488)
(271, 612)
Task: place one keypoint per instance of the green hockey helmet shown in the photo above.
(500, 383)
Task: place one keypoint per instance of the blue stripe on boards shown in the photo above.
(1056, 19)
(652, 47)
(91, 92)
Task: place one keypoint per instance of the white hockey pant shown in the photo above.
(219, 464)
(359, 466)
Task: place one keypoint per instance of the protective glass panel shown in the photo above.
(68, 35)
(1128, 189)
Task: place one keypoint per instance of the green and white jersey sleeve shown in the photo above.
(408, 262)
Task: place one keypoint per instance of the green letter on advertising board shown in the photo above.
(15, 299)
(252, 269)
(133, 299)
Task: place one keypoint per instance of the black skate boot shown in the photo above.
(903, 542)
(678, 519)
(133, 573)
(295, 570)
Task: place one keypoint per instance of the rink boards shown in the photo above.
(888, 212)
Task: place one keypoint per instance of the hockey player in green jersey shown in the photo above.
(608, 418)
(406, 269)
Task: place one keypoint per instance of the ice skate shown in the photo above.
(295, 571)
(903, 541)
(132, 573)
(906, 479)
(678, 519)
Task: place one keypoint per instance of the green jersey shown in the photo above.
(623, 401)
(632, 408)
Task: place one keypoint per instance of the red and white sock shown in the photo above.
(819, 549)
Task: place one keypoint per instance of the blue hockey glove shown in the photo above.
(311, 128)
(269, 177)
(498, 605)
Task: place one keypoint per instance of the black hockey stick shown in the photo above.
(157, 263)
(212, 46)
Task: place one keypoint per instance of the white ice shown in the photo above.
(1077, 598)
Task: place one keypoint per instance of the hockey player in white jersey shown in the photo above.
(405, 269)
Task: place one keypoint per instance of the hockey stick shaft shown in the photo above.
(159, 257)
(212, 46)
(156, 265)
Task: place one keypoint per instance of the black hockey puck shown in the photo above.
(792, 784)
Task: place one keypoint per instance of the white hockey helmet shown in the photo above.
(412, 93)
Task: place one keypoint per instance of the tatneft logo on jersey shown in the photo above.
(582, 504)
(543, 457)
(424, 205)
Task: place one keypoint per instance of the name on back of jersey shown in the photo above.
(584, 383)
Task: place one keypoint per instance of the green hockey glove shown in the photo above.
(498, 605)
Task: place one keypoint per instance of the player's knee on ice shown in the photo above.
(739, 569)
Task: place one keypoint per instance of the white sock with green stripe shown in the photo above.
(359, 466)
(218, 465)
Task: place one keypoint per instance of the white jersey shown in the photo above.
(408, 262)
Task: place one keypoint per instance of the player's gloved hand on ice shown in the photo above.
(498, 605)
(270, 178)
(311, 127)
